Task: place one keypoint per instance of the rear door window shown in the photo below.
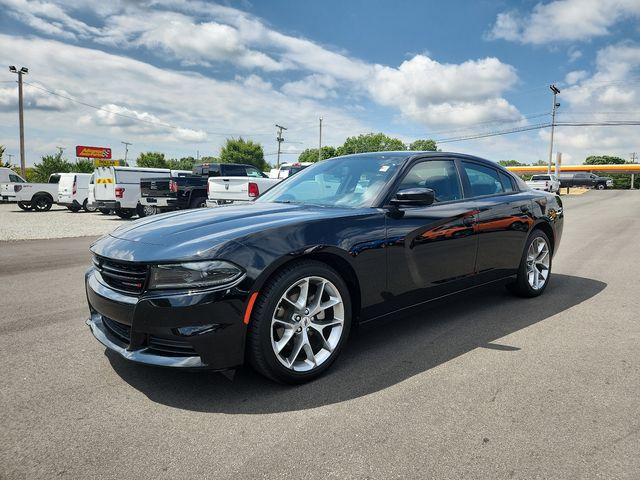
(483, 180)
(55, 178)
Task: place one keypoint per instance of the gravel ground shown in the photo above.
(58, 222)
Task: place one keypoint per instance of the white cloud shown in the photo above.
(456, 94)
(35, 98)
(313, 86)
(575, 76)
(574, 54)
(563, 20)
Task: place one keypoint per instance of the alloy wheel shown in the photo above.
(307, 324)
(538, 261)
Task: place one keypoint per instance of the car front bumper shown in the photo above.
(186, 329)
(9, 198)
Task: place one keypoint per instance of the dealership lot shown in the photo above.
(488, 386)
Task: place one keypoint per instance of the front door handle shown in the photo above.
(525, 208)
(469, 221)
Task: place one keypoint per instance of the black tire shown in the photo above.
(146, 210)
(24, 206)
(125, 213)
(521, 286)
(74, 209)
(41, 203)
(260, 352)
(104, 211)
(87, 208)
(601, 186)
(198, 202)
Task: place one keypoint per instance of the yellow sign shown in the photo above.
(104, 180)
(106, 163)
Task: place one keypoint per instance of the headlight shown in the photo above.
(194, 274)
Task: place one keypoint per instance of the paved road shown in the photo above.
(488, 386)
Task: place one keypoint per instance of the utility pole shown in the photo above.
(279, 139)
(126, 150)
(10, 155)
(634, 155)
(22, 71)
(320, 142)
(555, 105)
(60, 150)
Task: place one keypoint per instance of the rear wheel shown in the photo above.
(74, 208)
(24, 206)
(125, 213)
(87, 208)
(104, 211)
(300, 323)
(41, 203)
(535, 266)
(198, 202)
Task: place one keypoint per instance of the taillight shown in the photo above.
(75, 188)
(173, 186)
(119, 192)
(253, 190)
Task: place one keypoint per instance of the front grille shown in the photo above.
(125, 277)
(170, 346)
(119, 330)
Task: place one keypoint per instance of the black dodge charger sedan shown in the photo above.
(279, 282)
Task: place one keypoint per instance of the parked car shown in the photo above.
(246, 184)
(189, 191)
(37, 196)
(281, 281)
(546, 182)
(288, 169)
(118, 188)
(73, 191)
(585, 179)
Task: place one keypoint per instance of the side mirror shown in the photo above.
(414, 196)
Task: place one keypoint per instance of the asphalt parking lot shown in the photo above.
(485, 386)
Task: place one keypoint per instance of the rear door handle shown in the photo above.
(469, 221)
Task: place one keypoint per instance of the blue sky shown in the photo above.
(181, 76)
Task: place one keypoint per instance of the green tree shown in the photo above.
(239, 150)
(311, 154)
(603, 160)
(51, 164)
(370, 142)
(84, 165)
(185, 163)
(427, 145)
(151, 160)
(511, 163)
(2, 162)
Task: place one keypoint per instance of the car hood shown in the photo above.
(200, 233)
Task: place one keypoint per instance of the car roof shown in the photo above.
(428, 154)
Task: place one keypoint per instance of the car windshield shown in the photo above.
(352, 182)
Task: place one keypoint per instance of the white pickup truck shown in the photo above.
(245, 187)
(546, 182)
(32, 196)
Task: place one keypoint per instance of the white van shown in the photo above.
(73, 190)
(118, 188)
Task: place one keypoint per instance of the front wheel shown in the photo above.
(601, 186)
(87, 208)
(24, 206)
(535, 266)
(300, 323)
(105, 211)
(198, 202)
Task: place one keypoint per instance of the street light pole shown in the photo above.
(555, 105)
(22, 71)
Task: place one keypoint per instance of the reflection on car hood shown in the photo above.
(215, 225)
